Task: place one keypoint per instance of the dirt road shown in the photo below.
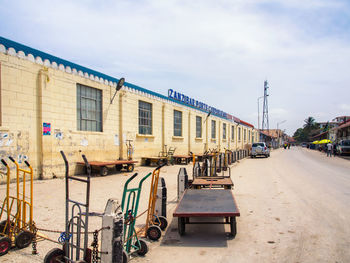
(294, 208)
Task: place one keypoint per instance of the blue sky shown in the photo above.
(219, 52)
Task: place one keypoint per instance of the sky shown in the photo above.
(219, 52)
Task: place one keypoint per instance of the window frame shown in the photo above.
(213, 129)
(199, 121)
(89, 108)
(175, 122)
(232, 133)
(239, 134)
(145, 128)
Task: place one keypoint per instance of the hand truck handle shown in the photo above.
(88, 167)
(13, 160)
(160, 166)
(3, 162)
(27, 163)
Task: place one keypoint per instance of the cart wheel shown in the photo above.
(55, 255)
(23, 239)
(143, 247)
(154, 233)
(103, 171)
(181, 225)
(233, 226)
(162, 221)
(5, 245)
(130, 168)
(118, 167)
(125, 257)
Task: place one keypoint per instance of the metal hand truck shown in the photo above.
(75, 248)
(130, 204)
(17, 228)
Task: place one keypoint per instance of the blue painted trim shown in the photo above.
(37, 53)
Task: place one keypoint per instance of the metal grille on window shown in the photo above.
(145, 117)
(198, 127)
(177, 123)
(213, 129)
(89, 108)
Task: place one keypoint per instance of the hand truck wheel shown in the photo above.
(154, 233)
(5, 228)
(5, 245)
(143, 249)
(23, 239)
(125, 257)
(55, 255)
(162, 221)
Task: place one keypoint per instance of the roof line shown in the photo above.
(45, 56)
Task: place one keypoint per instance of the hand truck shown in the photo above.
(77, 224)
(17, 228)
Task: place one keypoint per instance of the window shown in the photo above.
(213, 129)
(177, 123)
(233, 133)
(224, 131)
(198, 127)
(248, 136)
(145, 117)
(89, 108)
(239, 133)
(244, 134)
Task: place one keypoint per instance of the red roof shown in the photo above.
(246, 123)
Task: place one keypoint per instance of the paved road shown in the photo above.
(295, 207)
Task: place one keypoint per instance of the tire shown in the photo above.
(55, 255)
(5, 245)
(125, 257)
(162, 221)
(23, 239)
(130, 168)
(103, 171)
(181, 226)
(233, 226)
(154, 233)
(143, 247)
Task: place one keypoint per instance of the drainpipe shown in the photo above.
(163, 126)
(189, 132)
(121, 142)
(43, 77)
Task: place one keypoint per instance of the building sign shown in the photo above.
(197, 104)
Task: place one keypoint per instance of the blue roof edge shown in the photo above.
(37, 53)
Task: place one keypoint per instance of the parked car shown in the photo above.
(260, 148)
(343, 147)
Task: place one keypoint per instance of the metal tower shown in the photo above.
(265, 119)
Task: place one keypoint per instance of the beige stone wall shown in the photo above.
(32, 94)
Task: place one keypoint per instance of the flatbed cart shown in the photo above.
(75, 248)
(214, 203)
(102, 167)
(16, 212)
(182, 159)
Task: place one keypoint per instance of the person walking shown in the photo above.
(329, 149)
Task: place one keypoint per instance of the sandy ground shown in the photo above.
(294, 208)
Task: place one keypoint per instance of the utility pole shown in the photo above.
(265, 120)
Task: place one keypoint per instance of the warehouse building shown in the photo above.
(49, 104)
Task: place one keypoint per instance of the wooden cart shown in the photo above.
(102, 167)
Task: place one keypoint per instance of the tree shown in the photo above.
(304, 134)
(309, 123)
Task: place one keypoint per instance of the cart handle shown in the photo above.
(88, 167)
(13, 160)
(3, 162)
(160, 166)
(27, 163)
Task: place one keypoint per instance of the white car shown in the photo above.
(260, 148)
